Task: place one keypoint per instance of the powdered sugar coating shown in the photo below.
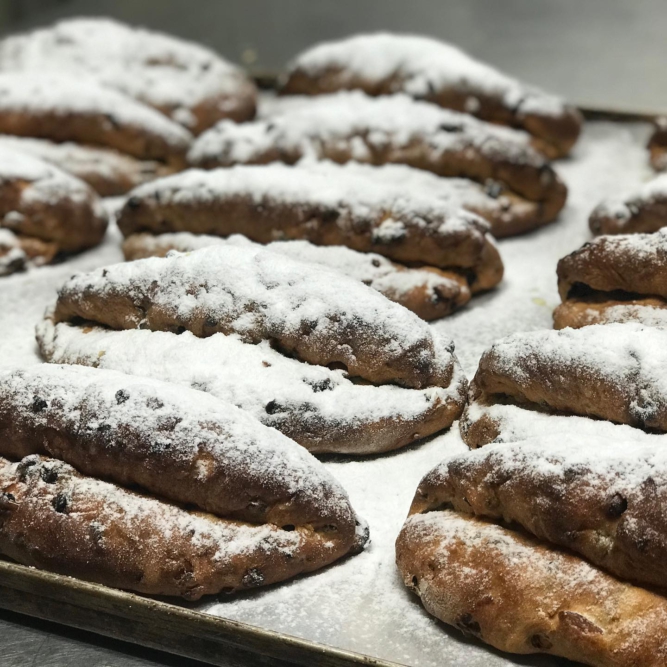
(82, 161)
(419, 65)
(451, 192)
(345, 117)
(62, 94)
(182, 426)
(643, 247)
(47, 183)
(12, 257)
(619, 353)
(339, 188)
(125, 510)
(613, 460)
(360, 604)
(251, 377)
(369, 268)
(516, 423)
(159, 69)
(263, 295)
(626, 204)
(645, 314)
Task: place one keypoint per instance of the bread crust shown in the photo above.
(640, 212)
(191, 84)
(554, 133)
(48, 211)
(455, 145)
(599, 309)
(172, 442)
(657, 146)
(53, 518)
(561, 372)
(636, 264)
(39, 106)
(428, 292)
(522, 596)
(254, 293)
(463, 245)
(614, 279)
(602, 506)
(318, 408)
(107, 171)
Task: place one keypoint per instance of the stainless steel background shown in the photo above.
(604, 53)
(607, 53)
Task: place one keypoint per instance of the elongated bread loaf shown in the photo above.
(613, 371)
(520, 595)
(332, 207)
(60, 107)
(394, 129)
(318, 407)
(53, 518)
(601, 497)
(107, 171)
(48, 210)
(496, 419)
(425, 68)
(314, 313)
(186, 81)
(172, 441)
(429, 292)
(642, 210)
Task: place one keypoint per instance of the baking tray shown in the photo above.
(356, 612)
(158, 624)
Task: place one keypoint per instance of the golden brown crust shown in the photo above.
(466, 247)
(259, 296)
(140, 433)
(603, 506)
(635, 264)
(553, 134)
(601, 309)
(66, 222)
(521, 596)
(569, 371)
(94, 129)
(432, 293)
(53, 518)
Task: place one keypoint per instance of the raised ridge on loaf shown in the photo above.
(597, 496)
(188, 82)
(267, 203)
(60, 107)
(317, 407)
(352, 126)
(172, 441)
(429, 292)
(52, 517)
(522, 596)
(428, 69)
(616, 372)
(311, 312)
(641, 210)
